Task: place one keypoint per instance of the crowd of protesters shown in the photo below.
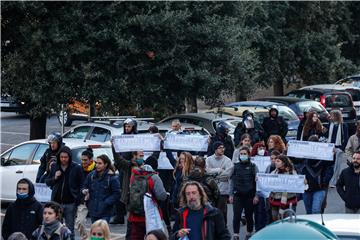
(195, 194)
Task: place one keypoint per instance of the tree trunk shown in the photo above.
(239, 96)
(92, 108)
(38, 127)
(279, 88)
(191, 104)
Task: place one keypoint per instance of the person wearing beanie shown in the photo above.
(221, 135)
(25, 214)
(222, 168)
(65, 181)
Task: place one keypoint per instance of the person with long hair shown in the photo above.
(259, 149)
(99, 230)
(338, 130)
(101, 189)
(280, 201)
(184, 165)
(275, 142)
(197, 219)
(312, 126)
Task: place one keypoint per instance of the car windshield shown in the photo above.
(287, 113)
(355, 94)
(354, 81)
(306, 105)
(338, 100)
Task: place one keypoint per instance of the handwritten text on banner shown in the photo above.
(145, 142)
(186, 142)
(311, 150)
(280, 183)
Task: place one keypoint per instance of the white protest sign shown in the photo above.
(311, 150)
(262, 162)
(135, 142)
(164, 162)
(280, 183)
(42, 192)
(186, 142)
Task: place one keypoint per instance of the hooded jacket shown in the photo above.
(318, 174)
(66, 188)
(104, 192)
(45, 160)
(348, 187)
(274, 125)
(24, 215)
(213, 225)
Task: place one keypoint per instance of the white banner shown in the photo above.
(311, 150)
(280, 183)
(164, 162)
(42, 192)
(186, 142)
(262, 162)
(135, 142)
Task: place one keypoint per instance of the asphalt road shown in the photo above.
(15, 129)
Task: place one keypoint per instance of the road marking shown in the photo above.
(15, 133)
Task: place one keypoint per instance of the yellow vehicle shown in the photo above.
(76, 110)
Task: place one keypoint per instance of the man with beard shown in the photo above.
(197, 219)
(348, 185)
(353, 142)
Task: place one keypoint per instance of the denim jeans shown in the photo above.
(261, 214)
(313, 201)
(69, 216)
(94, 219)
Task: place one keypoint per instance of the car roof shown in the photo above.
(252, 103)
(340, 224)
(208, 116)
(329, 87)
(167, 126)
(285, 99)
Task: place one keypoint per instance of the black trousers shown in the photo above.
(243, 203)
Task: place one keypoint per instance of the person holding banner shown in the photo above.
(129, 127)
(280, 201)
(243, 191)
(25, 214)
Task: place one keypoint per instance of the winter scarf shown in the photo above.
(90, 167)
(50, 228)
(338, 134)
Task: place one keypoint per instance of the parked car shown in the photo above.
(289, 115)
(103, 131)
(9, 104)
(23, 160)
(206, 120)
(299, 105)
(353, 80)
(345, 226)
(330, 99)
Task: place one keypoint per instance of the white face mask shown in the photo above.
(261, 152)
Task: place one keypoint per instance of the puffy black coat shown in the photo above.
(213, 222)
(256, 133)
(24, 215)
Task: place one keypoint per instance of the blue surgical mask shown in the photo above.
(244, 158)
(22, 195)
(139, 161)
